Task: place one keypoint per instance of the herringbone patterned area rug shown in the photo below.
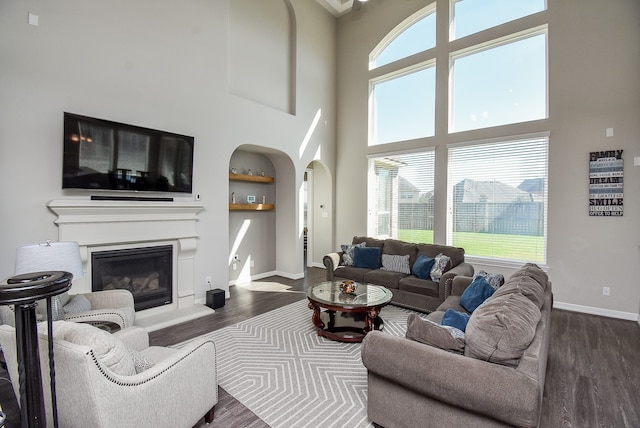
(277, 366)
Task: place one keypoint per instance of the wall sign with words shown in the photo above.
(606, 179)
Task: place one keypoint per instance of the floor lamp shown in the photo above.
(42, 271)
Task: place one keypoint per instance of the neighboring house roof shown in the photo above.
(533, 185)
(471, 191)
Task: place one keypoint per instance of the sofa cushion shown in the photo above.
(456, 254)
(401, 248)
(78, 304)
(430, 333)
(369, 242)
(416, 285)
(422, 267)
(350, 272)
(384, 277)
(455, 319)
(524, 285)
(501, 329)
(439, 267)
(396, 263)
(534, 271)
(347, 249)
(364, 257)
(476, 293)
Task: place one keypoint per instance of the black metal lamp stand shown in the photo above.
(23, 291)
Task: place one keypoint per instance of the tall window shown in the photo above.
(497, 199)
(493, 86)
(402, 102)
(401, 196)
(504, 83)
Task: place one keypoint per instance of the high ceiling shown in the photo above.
(337, 7)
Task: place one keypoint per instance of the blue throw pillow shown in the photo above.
(366, 257)
(476, 293)
(455, 319)
(422, 267)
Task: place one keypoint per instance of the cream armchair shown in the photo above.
(100, 307)
(118, 380)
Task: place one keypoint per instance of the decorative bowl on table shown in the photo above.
(348, 287)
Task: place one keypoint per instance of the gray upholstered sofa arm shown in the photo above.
(496, 391)
(133, 337)
(110, 299)
(331, 261)
(446, 282)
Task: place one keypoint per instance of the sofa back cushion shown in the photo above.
(524, 285)
(533, 271)
(401, 248)
(501, 329)
(369, 242)
(456, 254)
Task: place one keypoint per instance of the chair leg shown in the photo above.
(208, 418)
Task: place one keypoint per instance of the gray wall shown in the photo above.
(594, 61)
(160, 64)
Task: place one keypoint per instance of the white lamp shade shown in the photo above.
(52, 256)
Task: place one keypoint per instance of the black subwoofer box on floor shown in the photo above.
(215, 298)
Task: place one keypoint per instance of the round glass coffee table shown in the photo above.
(347, 317)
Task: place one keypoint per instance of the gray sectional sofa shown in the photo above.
(408, 290)
(486, 385)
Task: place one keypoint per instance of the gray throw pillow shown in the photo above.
(428, 332)
(395, 263)
(78, 303)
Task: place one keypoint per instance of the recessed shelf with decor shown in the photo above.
(251, 207)
(251, 178)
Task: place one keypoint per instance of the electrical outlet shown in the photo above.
(235, 266)
(606, 291)
(207, 280)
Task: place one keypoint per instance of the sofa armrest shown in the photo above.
(500, 392)
(331, 261)
(464, 268)
(110, 299)
(133, 337)
(121, 317)
(459, 284)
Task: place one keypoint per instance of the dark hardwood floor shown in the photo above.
(592, 380)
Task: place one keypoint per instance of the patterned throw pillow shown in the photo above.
(140, 361)
(438, 267)
(347, 257)
(395, 263)
(494, 279)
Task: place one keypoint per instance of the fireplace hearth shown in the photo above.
(146, 272)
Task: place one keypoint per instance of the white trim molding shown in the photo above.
(629, 316)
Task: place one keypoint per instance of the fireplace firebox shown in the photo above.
(146, 272)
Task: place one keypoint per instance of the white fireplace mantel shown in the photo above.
(99, 225)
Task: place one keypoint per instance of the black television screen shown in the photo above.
(104, 155)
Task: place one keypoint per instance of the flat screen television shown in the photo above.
(104, 155)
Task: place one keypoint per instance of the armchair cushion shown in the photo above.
(108, 349)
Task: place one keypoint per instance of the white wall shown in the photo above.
(593, 84)
(159, 64)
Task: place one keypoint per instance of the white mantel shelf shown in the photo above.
(81, 211)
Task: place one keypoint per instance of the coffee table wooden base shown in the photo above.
(346, 325)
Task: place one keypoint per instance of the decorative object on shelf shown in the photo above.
(264, 199)
(262, 173)
(251, 199)
(233, 197)
(249, 172)
(348, 286)
(234, 171)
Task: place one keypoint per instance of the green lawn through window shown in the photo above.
(509, 247)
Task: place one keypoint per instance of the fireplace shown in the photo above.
(145, 271)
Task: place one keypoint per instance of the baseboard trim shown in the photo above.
(318, 265)
(254, 277)
(290, 275)
(629, 316)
